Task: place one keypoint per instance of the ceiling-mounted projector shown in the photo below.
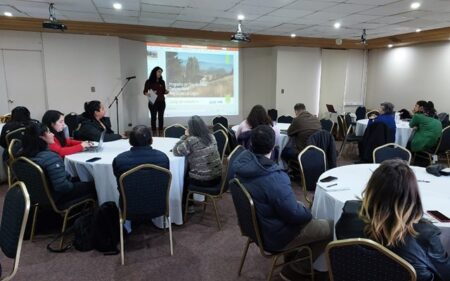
(240, 36)
(53, 23)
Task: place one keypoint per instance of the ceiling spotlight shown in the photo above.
(415, 5)
(117, 6)
(8, 14)
(418, 30)
(240, 36)
(241, 17)
(390, 46)
(337, 25)
(293, 35)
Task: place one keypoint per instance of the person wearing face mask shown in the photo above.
(155, 85)
(62, 145)
(95, 123)
(64, 189)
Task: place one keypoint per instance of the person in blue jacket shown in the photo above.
(284, 221)
(387, 116)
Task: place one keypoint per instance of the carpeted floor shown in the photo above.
(201, 252)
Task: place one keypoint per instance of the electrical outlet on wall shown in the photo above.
(282, 91)
(92, 89)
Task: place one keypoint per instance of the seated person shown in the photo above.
(54, 120)
(20, 118)
(303, 126)
(35, 144)
(387, 116)
(257, 116)
(428, 130)
(141, 152)
(283, 221)
(200, 148)
(390, 213)
(94, 123)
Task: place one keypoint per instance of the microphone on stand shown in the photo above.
(131, 77)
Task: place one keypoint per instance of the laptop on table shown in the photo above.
(99, 147)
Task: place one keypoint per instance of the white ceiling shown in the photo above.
(310, 18)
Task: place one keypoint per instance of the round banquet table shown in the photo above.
(2, 164)
(101, 172)
(352, 179)
(402, 133)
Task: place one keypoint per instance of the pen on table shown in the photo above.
(334, 184)
(423, 181)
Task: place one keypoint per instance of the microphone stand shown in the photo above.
(116, 101)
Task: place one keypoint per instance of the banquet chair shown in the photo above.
(248, 223)
(174, 131)
(349, 137)
(216, 192)
(442, 149)
(273, 114)
(219, 126)
(342, 128)
(16, 208)
(16, 134)
(13, 150)
(72, 121)
(372, 112)
(144, 193)
(41, 196)
(360, 112)
(348, 120)
(391, 151)
(285, 119)
(222, 142)
(327, 125)
(365, 260)
(5, 118)
(313, 162)
(220, 119)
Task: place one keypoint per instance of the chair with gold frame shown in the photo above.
(372, 112)
(16, 134)
(441, 149)
(41, 196)
(214, 193)
(174, 131)
(14, 147)
(220, 119)
(313, 162)
(14, 221)
(391, 151)
(144, 192)
(248, 223)
(361, 259)
(222, 142)
(5, 118)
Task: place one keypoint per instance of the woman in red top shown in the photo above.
(54, 120)
(155, 85)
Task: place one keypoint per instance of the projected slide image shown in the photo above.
(199, 75)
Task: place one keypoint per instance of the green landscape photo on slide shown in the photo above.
(199, 75)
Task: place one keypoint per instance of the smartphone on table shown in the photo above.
(328, 179)
(438, 215)
(93, 159)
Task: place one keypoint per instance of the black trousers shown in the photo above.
(157, 108)
(80, 191)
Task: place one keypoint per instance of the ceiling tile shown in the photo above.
(290, 13)
(389, 9)
(347, 9)
(287, 27)
(355, 18)
(161, 9)
(310, 5)
(133, 5)
(268, 3)
(391, 19)
(371, 2)
(221, 27)
(250, 9)
(213, 4)
(418, 23)
(81, 16)
(119, 13)
(200, 18)
(177, 3)
(435, 5)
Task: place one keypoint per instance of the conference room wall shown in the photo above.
(405, 75)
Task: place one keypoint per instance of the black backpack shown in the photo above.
(106, 234)
(97, 229)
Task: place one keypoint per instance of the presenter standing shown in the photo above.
(155, 89)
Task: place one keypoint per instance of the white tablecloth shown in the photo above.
(101, 172)
(352, 179)
(401, 134)
(3, 176)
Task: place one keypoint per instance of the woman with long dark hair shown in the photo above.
(390, 213)
(95, 123)
(35, 144)
(155, 85)
(428, 130)
(54, 120)
(258, 116)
